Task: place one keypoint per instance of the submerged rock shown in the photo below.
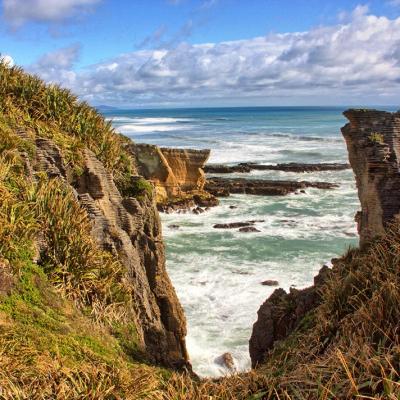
(249, 229)
(173, 226)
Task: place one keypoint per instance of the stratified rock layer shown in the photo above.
(174, 172)
(130, 229)
(373, 143)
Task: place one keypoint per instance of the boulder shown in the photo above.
(227, 361)
(270, 282)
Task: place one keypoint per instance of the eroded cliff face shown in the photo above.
(281, 314)
(174, 172)
(130, 229)
(373, 143)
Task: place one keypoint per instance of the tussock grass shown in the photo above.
(53, 112)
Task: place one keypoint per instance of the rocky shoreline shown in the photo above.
(223, 187)
(288, 167)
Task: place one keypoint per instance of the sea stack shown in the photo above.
(373, 143)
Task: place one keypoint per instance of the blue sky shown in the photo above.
(209, 52)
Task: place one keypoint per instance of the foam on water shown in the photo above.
(218, 273)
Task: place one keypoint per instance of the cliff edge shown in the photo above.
(177, 175)
(373, 144)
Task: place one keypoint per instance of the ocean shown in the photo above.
(218, 273)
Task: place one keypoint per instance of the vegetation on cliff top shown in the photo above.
(48, 111)
(62, 329)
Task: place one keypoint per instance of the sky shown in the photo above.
(191, 53)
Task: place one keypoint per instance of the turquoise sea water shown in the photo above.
(218, 274)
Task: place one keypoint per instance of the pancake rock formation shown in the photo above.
(130, 229)
(373, 143)
(177, 175)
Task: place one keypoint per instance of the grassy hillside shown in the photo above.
(63, 327)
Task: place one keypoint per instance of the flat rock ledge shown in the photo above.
(289, 167)
(195, 203)
(223, 187)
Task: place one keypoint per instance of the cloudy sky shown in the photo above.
(174, 53)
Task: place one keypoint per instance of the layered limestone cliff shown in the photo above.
(373, 143)
(176, 173)
(130, 229)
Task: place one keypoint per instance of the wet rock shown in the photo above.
(288, 167)
(232, 225)
(249, 229)
(227, 361)
(173, 226)
(188, 203)
(235, 225)
(280, 315)
(226, 169)
(205, 200)
(270, 282)
(225, 186)
(232, 207)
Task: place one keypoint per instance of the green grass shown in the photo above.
(139, 188)
(376, 137)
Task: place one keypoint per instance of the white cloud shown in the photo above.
(57, 66)
(8, 60)
(358, 60)
(18, 12)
